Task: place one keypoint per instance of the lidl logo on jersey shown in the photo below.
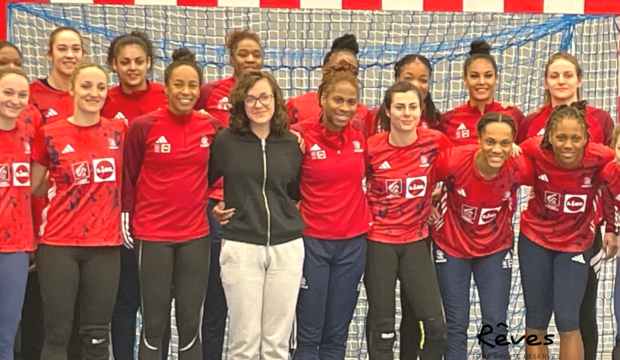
(488, 215)
(415, 187)
(162, 146)
(424, 161)
(575, 203)
(5, 175)
(113, 145)
(552, 200)
(357, 147)
(468, 213)
(316, 153)
(21, 174)
(393, 188)
(462, 132)
(104, 170)
(81, 172)
(204, 142)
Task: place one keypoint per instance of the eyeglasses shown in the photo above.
(265, 99)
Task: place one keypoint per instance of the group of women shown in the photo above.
(234, 201)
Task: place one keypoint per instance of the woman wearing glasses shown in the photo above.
(262, 251)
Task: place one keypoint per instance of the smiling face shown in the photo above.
(66, 52)
(562, 81)
(183, 89)
(131, 64)
(568, 139)
(496, 144)
(416, 73)
(404, 112)
(480, 80)
(89, 90)
(259, 103)
(339, 105)
(247, 56)
(14, 91)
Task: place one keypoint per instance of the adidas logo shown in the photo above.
(618, 197)
(544, 177)
(461, 192)
(224, 99)
(68, 149)
(462, 127)
(541, 132)
(385, 166)
(120, 116)
(161, 140)
(315, 147)
(579, 258)
(51, 113)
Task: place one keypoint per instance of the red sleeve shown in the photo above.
(530, 147)
(526, 169)
(205, 94)
(133, 155)
(607, 124)
(39, 148)
(609, 206)
(523, 129)
(440, 166)
(518, 117)
(444, 142)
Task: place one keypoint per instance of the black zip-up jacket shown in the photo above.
(261, 181)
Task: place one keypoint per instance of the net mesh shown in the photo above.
(295, 42)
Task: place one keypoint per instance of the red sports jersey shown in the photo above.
(611, 195)
(476, 213)
(561, 213)
(307, 107)
(600, 125)
(127, 107)
(53, 104)
(166, 162)
(399, 185)
(16, 231)
(333, 204)
(214, 99)
(460, 124)
(376, 128)
(31, 115)
(84, 193)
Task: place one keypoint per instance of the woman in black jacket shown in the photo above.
(262, 249)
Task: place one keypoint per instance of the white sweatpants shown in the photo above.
(261, 284)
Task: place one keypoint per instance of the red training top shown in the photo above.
(476, 213)
(16, 231)
(307, 107)
(53, 104)
(561, 214)
(31, 115)
(611, 196)
(214, 99)
(333, 203)
(123, 106)
(84, 182)
(601, 125)
(166, 163)
(399, 185)
(460, 124)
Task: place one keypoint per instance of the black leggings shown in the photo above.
(66, 272)
(587, 314)
(163, 266)
(412, 264)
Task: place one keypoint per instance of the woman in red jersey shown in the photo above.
(399, 196)
(611, 202)
(11, 57)
(165, 191)
(245, 53)
(416, 69)
(78, 252)
(308, 106)
(334, 207)
(16, 237)
(131, 57)
(558, 227)
(51, 94)
(563, 77)
(473, 231)
(480, 78)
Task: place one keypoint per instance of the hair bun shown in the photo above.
(479, 47)
(346, 42)
(183, 54)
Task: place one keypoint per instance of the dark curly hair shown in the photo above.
(479, 49)
(399, 87)
(576, 110)
(347, 42)
(239, 121)
(235, 36)
(135, 38)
